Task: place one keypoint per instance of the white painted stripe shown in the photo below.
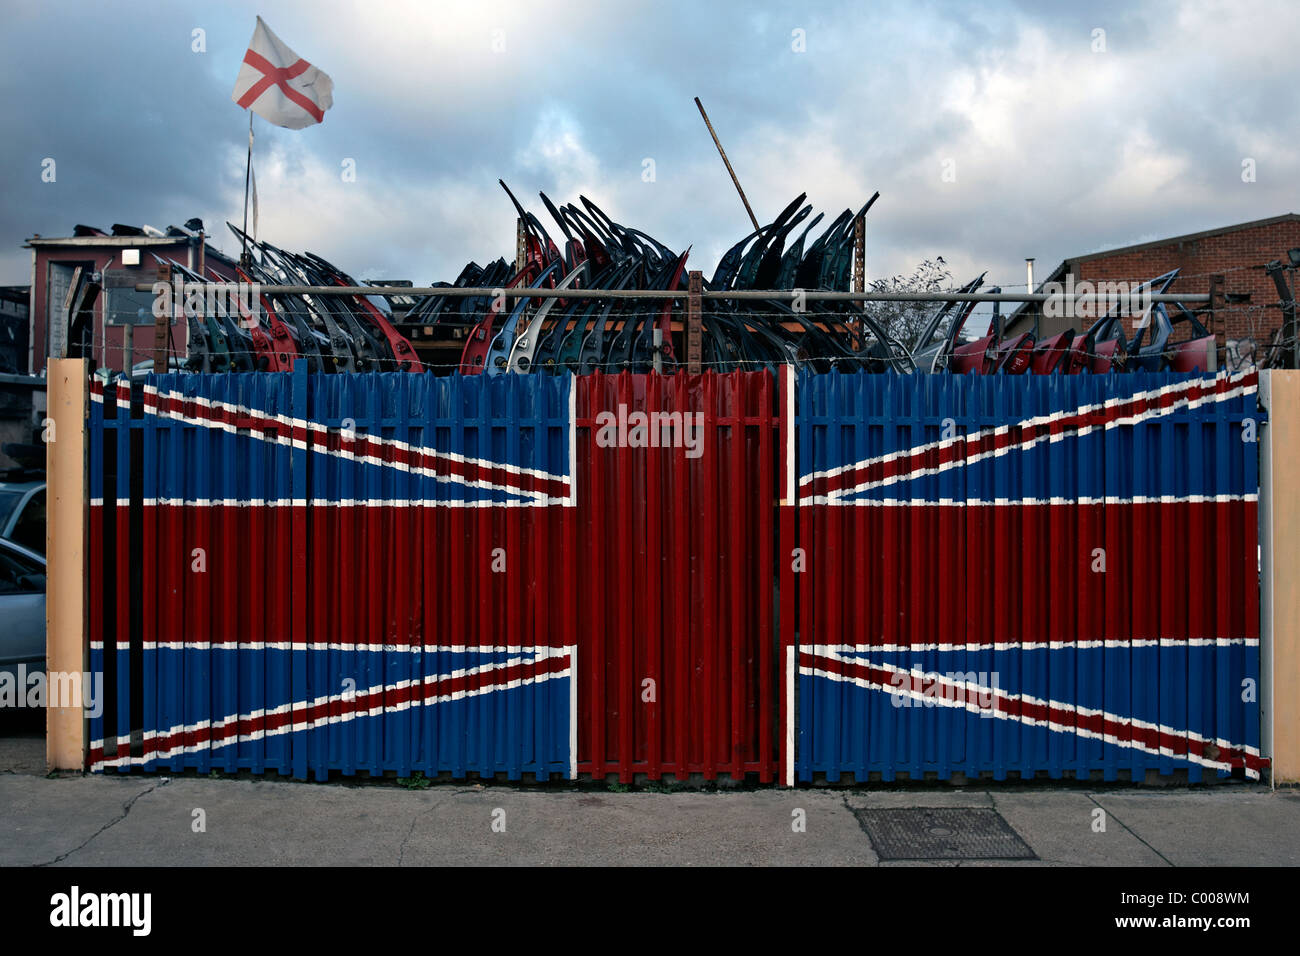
(835, 650)
(573, 711)
(789, 424)
(344, 503)
(572, 500)
(1021, 502)
(539, 652)
(789, 715)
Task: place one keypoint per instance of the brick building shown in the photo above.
(81, 292)
(1252, 305)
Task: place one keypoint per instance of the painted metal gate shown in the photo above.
(387, 572)
(1036, 575)
(342, 573)
(562, 575)
(676, 630)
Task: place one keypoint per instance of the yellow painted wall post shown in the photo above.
(67, 384)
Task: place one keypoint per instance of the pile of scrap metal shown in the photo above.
(611, 334)
(494, 334)
(334, 333)
(1102, 348)
(1283, 349)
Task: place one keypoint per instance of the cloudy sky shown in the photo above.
(993, 131)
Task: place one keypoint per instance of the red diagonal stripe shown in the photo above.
(171, 404)
(280, 76)
(1014, 706)
(989, 440)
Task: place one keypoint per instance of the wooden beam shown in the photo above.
(694, 328)
(860, 275)
(726, 162)
(1279, 545)
(162, 327)
(65, 549)
(860, 254)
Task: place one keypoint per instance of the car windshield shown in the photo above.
(8, 502)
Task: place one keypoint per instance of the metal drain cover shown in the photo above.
(935, 833)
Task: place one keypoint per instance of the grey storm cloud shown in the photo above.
(1053, 146)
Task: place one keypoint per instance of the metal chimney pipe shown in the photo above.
(1029, 274)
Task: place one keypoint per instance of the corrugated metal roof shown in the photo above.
(40, 242)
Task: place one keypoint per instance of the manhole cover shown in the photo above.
(942, 834)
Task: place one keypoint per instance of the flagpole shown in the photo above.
(248, 169)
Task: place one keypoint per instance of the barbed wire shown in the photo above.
(862, 357)
(456, 328)
(1132, 280)
(466, 320)
(770, 329)
(721, 294)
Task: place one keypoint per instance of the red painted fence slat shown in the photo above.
(708, 644)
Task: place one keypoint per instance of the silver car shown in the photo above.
(22, 609)
(22, 513)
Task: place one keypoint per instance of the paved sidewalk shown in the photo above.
(107, 820)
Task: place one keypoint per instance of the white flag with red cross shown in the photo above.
(280, 86)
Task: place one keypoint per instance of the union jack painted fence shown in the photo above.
(396, 572)
(721, 574)
(297, 573)
(1038, 575)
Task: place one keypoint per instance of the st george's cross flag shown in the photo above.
(280, 86)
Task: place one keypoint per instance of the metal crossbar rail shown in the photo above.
(811, 295)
